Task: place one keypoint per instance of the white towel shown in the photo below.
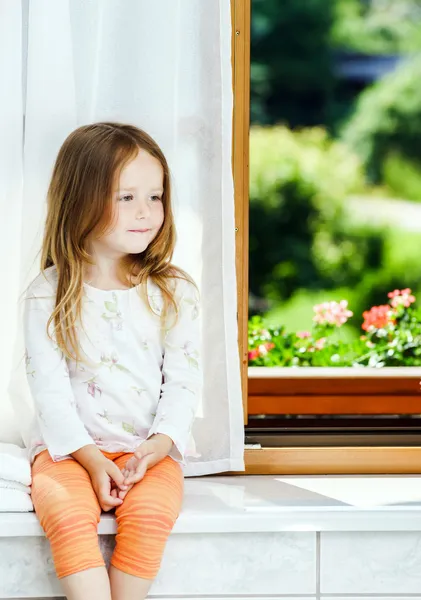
(14, 464)
(15, 501)
(14, 485)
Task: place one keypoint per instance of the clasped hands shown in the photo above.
(112, 485)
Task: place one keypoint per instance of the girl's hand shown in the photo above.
(149, 453)
(105, 476)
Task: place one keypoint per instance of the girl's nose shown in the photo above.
(142, 211)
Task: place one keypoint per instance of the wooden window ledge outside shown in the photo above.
(333, 391)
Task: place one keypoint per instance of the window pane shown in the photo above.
(335, 183)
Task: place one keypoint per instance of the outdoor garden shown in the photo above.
(335, 183)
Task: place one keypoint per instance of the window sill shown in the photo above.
(330, 391)
(321, 391)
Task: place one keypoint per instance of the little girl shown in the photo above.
(112, 359)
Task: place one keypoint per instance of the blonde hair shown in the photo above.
(79, 203)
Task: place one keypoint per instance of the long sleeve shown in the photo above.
(182, 375)
(48, 379)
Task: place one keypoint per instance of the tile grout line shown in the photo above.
(318, 563)
(370, 596)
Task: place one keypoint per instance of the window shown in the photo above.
(293, 401)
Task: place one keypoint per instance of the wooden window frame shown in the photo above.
(305, 391)
(241, 18)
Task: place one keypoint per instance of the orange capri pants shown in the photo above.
(69, 513)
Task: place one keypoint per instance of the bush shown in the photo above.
(300, 236)
(387, 120)
(400, 266)
(402, 177)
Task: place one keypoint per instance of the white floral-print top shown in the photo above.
(138, 379)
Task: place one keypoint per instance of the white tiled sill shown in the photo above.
(279, 504)
(336, 537)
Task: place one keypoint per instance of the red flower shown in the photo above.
(377, 317)
(262, 350)
(253, 354)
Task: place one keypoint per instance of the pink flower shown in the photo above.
(332, 313)
(401, 297)
(320, 344)
(303, 334)
(265, 348)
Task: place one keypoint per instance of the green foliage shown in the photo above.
(303, 241)
(294, 44)
(286, 349)
(402, 177)
(387, 120)
(292, 73)
(400, 266)
(377, 27)
(299, 234)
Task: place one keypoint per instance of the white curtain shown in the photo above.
(164, 66)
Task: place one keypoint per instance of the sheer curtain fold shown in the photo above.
(101, 60)
(11, 170)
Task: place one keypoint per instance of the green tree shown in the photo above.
(291, 71)
(300, 236)
(377, 26)
(387, 120)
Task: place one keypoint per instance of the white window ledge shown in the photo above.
(240, 504)
(331, 372)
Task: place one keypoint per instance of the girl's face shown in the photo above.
(138, 208)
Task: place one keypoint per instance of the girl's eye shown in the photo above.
(156, 198)
(126, 198)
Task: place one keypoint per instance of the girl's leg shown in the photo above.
(144, 522)
(68, 510)
(128, 587)
(92, 583)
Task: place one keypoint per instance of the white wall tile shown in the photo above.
(370, 562)
(216, 564)
(27, 569)
(242, 563)
(235, 563)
